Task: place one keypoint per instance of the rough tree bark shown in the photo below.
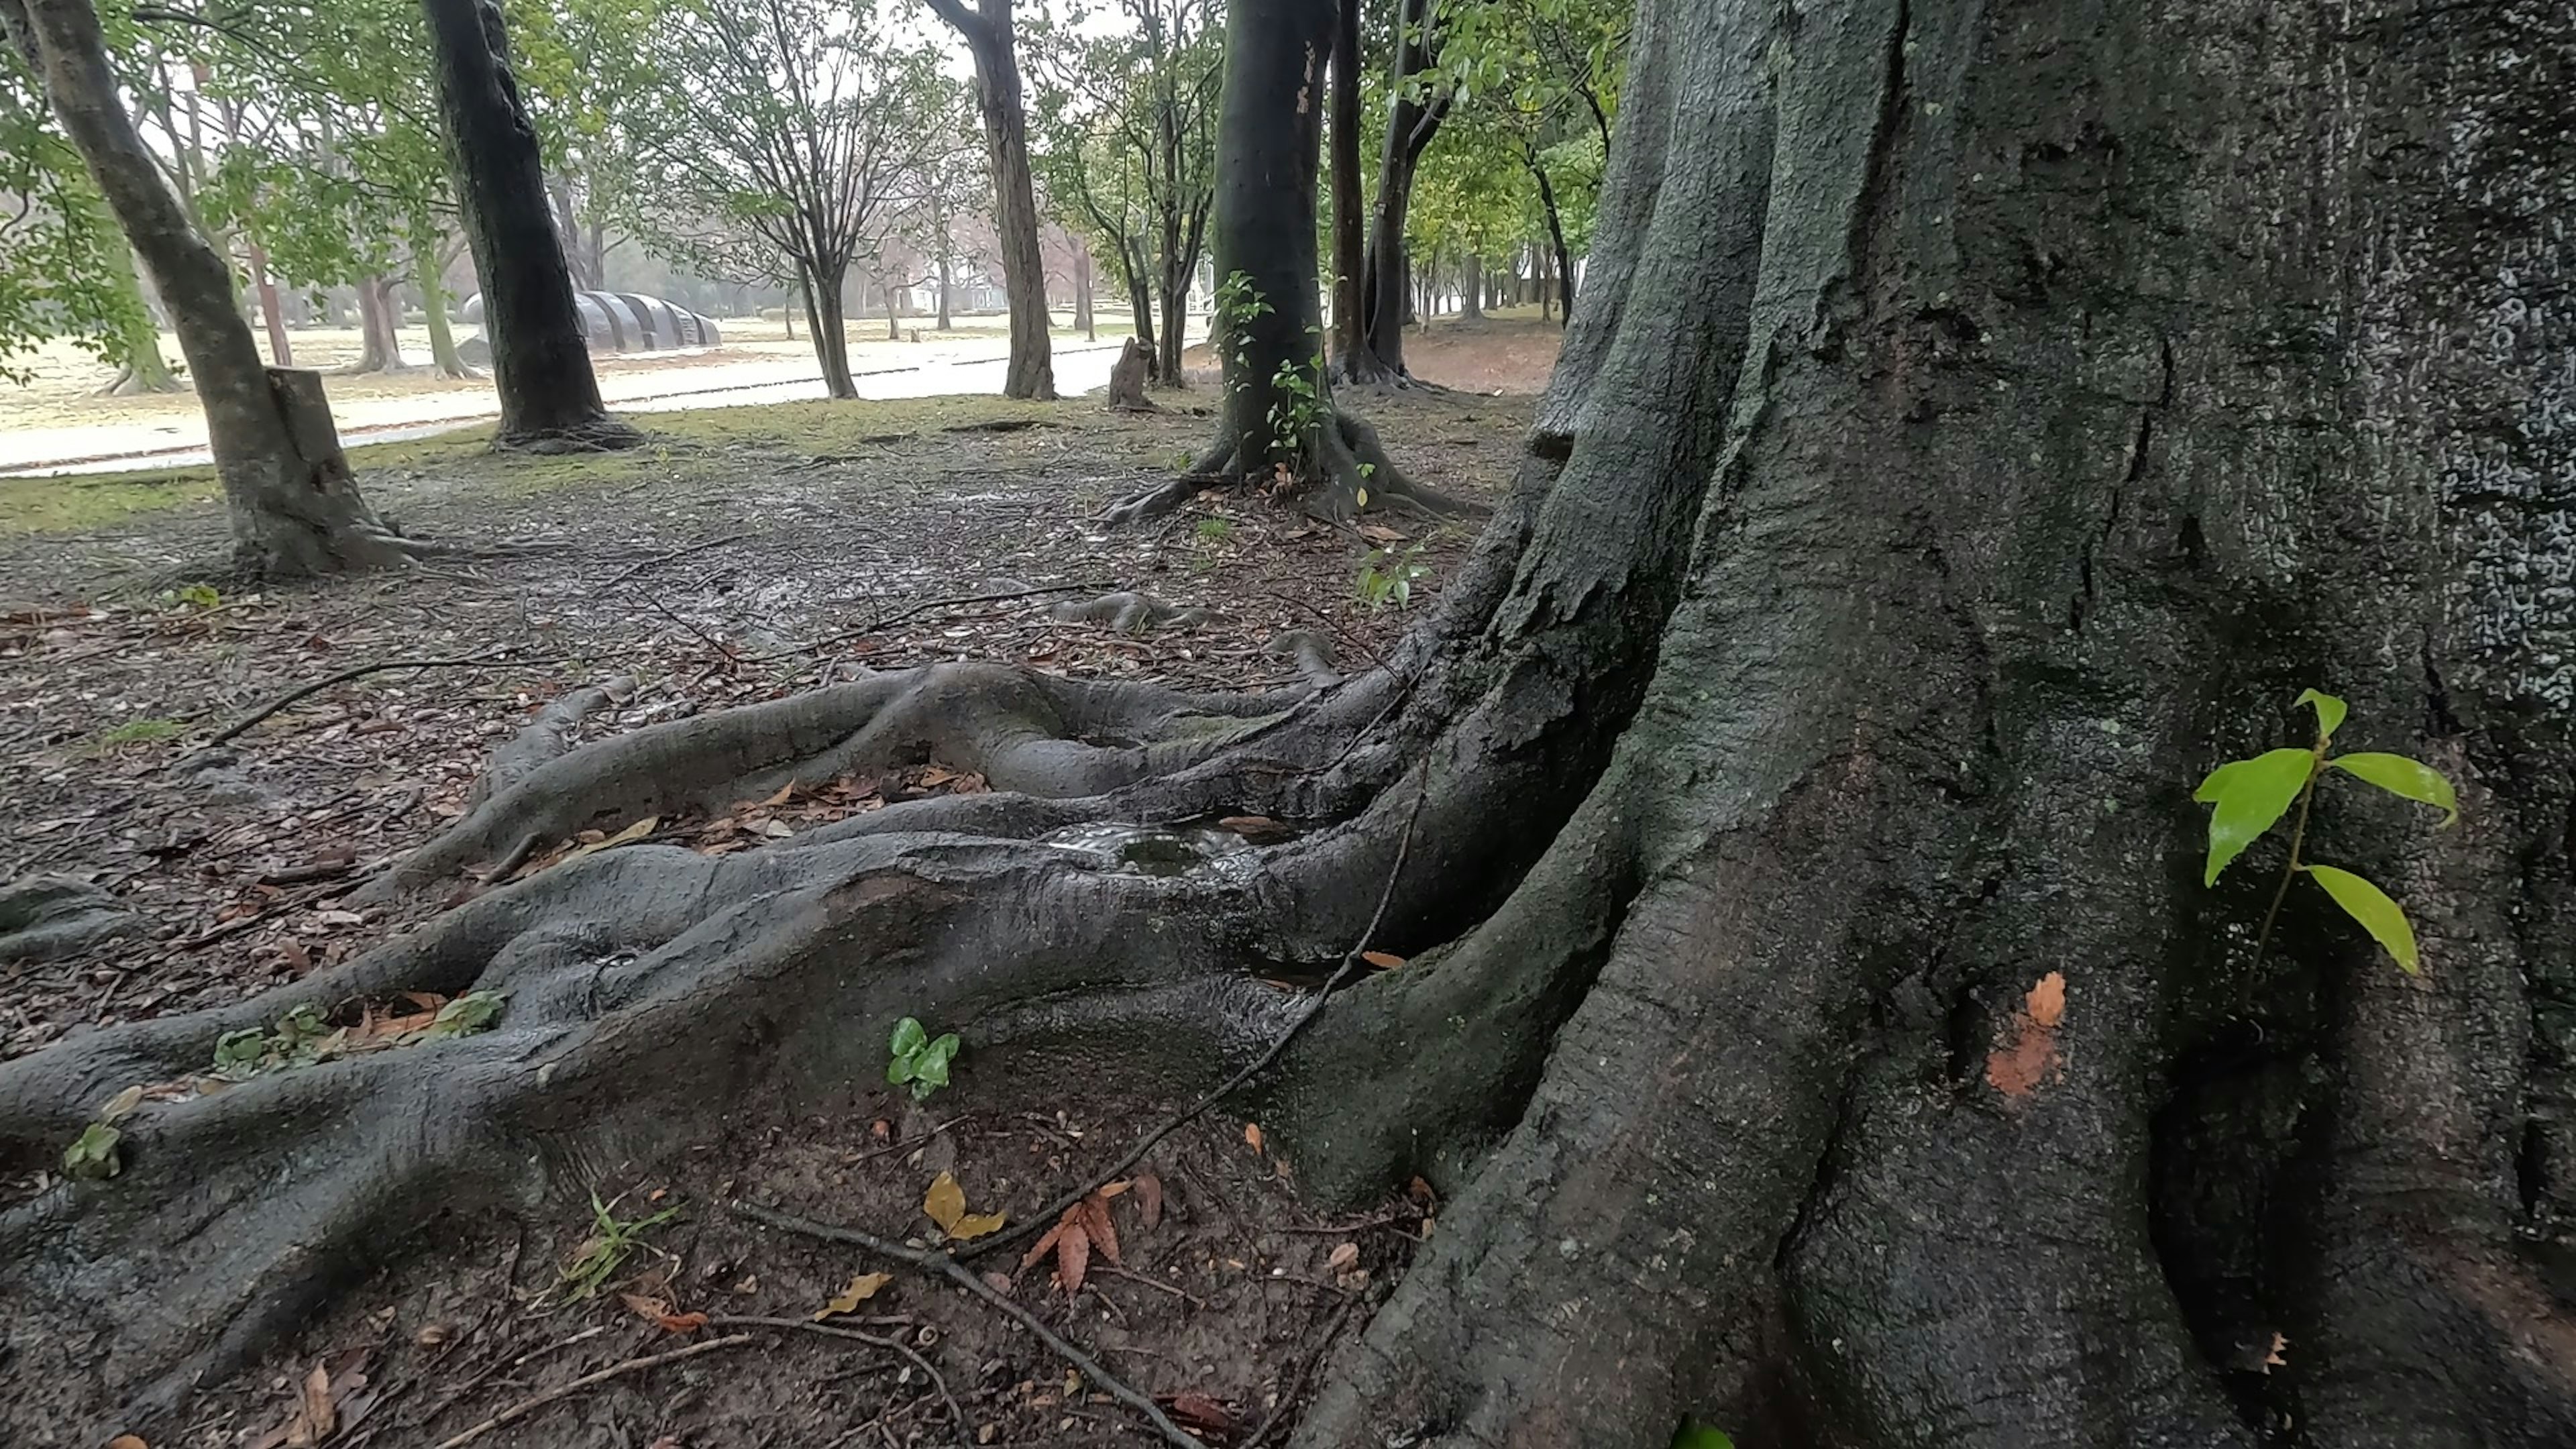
(140, 366)
(291, 516)
(2019, 404)
(1140, 299)
(988, 33)
(1083, 321)
(540, 360)
(379, 345)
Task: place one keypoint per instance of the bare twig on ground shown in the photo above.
(956, 1415)
(237, 727)
(949, 1268)
(526, 1407)
(659, 559)
(1314, 1004)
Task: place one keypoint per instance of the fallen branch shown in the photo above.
(307, 691)
(521, 1410)
(659, 559)
(1314, 1004)
(948, 1267)
(956, 1415)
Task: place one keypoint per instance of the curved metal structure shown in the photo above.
(618, 322)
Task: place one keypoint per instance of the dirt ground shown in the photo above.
(748, 553)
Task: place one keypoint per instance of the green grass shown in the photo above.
(141, 732)
(809, 429)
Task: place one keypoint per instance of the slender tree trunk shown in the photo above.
(1564, 264)
(379, 346)
(1140, 301)
(1386, 300)
(292, 514)
(281, 350)
(140, 366)
(1350, 257)
(829, 330)
(540, 355)
(894, 333)
(427, 274)
(1173, 336)
(1082, 319)
(1471, 288)
(989, 38)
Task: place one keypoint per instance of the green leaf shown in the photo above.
(2399, 775)
(944, 1048)
(2250, 796)
(931, 1069)
(2330, 711)
(2371, 906)
(908, 1036)
(92, 1154)
(1696, 1435)
(901, 1069)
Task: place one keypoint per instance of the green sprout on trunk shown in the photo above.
(2249, 797)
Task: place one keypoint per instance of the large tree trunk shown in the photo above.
(989, 39)
(292, 515)
(1813, 1016)
(540, 357)
(830, 331)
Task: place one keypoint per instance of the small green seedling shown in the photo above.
(919, 1058)
(92, 1155)
(142, 732)
(196, 596)
(1215, 530)
(612, 1240)
(474, 1011)
(1696, 1435)
(1387, 577)
(2249, 797)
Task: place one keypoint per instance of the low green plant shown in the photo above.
(92, 1157)
(1296, 408)
(1387, 577)
(198, 596)
(142, 732)
(1215, 531)
(1695, 1435)
(920, 1060)
(2249, 797)
(594, 1264)
(302, 1037)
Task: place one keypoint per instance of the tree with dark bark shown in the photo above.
(1416, 105)
(540, 355)
(1278, 426)
(1975, 430)
(987, 31)
(294, 513)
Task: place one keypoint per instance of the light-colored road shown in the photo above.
(630, 385)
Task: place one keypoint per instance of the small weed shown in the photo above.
(920, 1059)
(1387, 577)
(611, 1242)
(142, 732)
(194, 596)
(302, 1037)
(1213, 531)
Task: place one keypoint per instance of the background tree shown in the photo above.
(65, 269)
(793, 126)
(540, 354)
(1417, 102)
(990, 40)
(295, 511)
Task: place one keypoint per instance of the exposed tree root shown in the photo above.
(599, 435)
(1128, 612)
(1352, 475)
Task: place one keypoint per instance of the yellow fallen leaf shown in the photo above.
(861, 1289)
(627, 836)
(976, 1225)
(127, 1441)
(1252, 1135)
(945, 1202)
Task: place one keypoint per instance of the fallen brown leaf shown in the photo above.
(127, 1441)
(2029, 1054)
(1097, 1227)
(659, 1314)
(1344, 1258)
(945, 1202)
(1149, 1199)
(1252, 1135)
(1200, 1412)
(1072, 1258)
(1382, 960)
(862, 1288)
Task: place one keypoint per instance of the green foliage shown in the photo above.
(195, 596)
(919, 1059)
(1387, 577)
(92, 1155)
(2248, 797)
(142, 732)
(1695, 1435)
(465, 1015)
(1297, 408)
(302, 1038)
(595, 1262)
(1215, 531)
